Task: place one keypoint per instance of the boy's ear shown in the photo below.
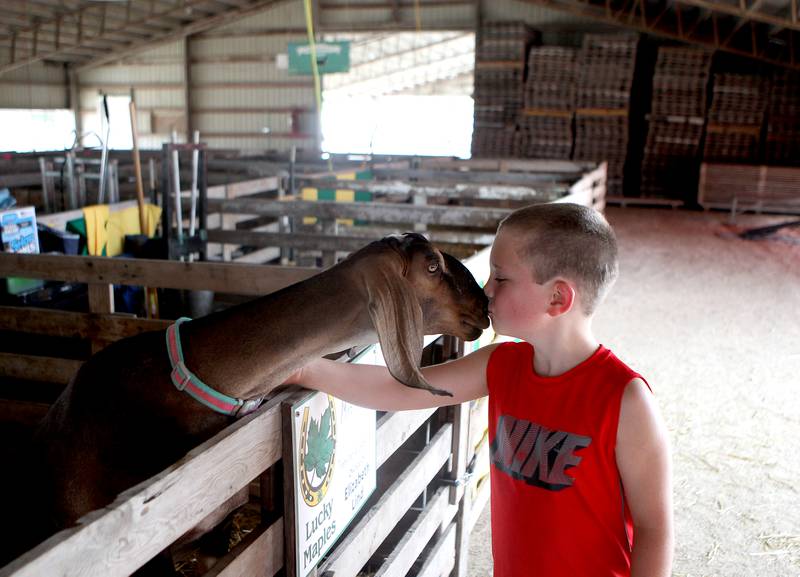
(562, 298)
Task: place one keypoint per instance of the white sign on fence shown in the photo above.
(334, 469)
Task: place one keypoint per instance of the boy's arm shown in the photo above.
(643, 459)
(372, 386)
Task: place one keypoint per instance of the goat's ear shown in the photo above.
(397, 318)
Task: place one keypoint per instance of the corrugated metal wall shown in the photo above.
(38, 85)
(156, 78)
(239, 98)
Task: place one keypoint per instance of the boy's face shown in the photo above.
(517, 304)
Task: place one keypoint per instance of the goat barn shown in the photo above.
(232, 189)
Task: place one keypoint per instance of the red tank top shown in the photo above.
(557, 504)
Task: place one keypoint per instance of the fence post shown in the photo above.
(460, 455)
(101, 301)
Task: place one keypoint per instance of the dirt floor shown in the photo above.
(713, 322)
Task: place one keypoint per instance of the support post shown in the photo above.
(101, 301)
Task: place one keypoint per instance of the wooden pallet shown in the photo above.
(624, 201)
(766, 188)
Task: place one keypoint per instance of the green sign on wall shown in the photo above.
(331, 57)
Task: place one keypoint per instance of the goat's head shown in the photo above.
(414, 290)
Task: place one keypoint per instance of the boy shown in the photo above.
(580, 475)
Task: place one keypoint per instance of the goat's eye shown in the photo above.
(433, 267)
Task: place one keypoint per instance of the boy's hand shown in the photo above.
(296, 378)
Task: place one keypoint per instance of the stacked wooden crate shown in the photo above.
(499, 75)
(783, 119)
(749, 187)
(675, 124)
(606, 65)
(733, 133)
(546, 120)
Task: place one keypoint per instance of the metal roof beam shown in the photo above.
(748, 13)
(767, 45)
(192, 28)
(103, 30)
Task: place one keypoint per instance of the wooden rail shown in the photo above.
(222, 277)
(373, 211)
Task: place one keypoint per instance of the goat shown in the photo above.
(121, 419)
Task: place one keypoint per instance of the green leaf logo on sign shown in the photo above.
(317, 451)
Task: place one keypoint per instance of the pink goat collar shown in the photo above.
(185, 380)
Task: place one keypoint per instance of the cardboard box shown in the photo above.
(19, 235)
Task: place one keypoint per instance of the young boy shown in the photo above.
(580, 474)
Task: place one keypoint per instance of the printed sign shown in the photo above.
(334, 468)
(331, 57)
(18, 231)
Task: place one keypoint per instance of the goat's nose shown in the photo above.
(483, 301)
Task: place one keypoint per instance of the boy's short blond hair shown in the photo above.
(570, 241)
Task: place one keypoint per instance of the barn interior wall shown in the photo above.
(238, 97)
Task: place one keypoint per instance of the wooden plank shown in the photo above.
(21, 179)
(260, 554)
(441, 559)
(499, 64)
(461, 545)
(472, 176)
(438, 513)
(590, 189)
(260, 256)
(460, 237)
(460, 450)
(394, 429)
(319, 242)
(59, 220)
(36, 368)
(643, 201)
(25, 413)
(370, 211)
(70, 324)
(510, 165)
(478, 505)
(120, 538)
(220, 277)
(547, 112)
(265, 184)
(605, 112)
(101, 298)
(363, 540)
(301, 241)
(457, 189)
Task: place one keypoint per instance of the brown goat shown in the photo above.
(121, 419)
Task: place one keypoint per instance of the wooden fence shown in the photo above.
(145, 519)
(458, 205)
